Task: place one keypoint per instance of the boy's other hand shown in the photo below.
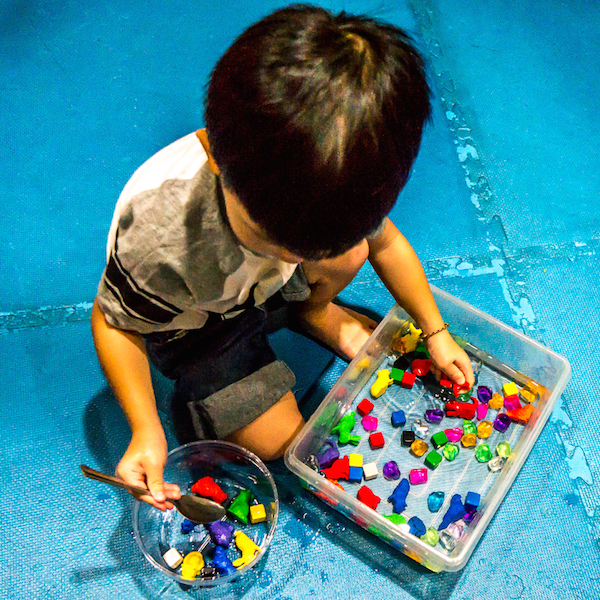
(449, 358)
(142, 465)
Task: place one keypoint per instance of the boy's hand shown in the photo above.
(142, 465)
(449, 358)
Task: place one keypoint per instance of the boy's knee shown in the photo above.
(269, 435)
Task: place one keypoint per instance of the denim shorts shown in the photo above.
(226, 373)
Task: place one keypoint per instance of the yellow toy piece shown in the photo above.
(192, 565)
(510, 389)
(408, 342)
(382, 383)
(247, 547)
(258, 514)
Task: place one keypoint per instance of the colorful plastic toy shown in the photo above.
(247, 547)
(221, 561)
(420, 366)
(344, 427)
(382, 383)
(364, 407)
(521, 415)
(258, 514)
(221, 533)
(455, 511)
(398, 497)
(370, 471)
(465, 410)
(240, 507)
(366, 496)
(340, 469)
(329, 455)
(207, 488)
(355, 474)
(398, 418)
(173, 558)
(192, 565)
(376, 440)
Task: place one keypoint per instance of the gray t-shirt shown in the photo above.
(171, 255)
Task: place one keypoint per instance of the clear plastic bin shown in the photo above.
(499, 354)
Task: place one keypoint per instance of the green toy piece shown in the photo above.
(433, 459)
(343, 429)
(469, 427)
(396, 519)
(439, 439)
(240, 507)
(397, 375)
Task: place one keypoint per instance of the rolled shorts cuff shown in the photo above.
(242, 402)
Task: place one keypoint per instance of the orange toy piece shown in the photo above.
(209, 489)
(521, 415)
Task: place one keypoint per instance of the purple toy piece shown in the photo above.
(391, 470)
(222, 562)
(484, 394)
(398, 497)
(454, 434)
(221, 533)
(434, 415)
(369, 423)
(455, 511)
(502, 422)
(329, 456)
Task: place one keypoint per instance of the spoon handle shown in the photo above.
(98, 476)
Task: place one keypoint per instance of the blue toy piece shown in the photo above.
(417, 527)
(221, 561)
(398, 418)
(187, 526)
(355, 474)
(472, 502)
(398, 497)
(455, 511)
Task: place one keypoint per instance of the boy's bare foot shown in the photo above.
(342, 329)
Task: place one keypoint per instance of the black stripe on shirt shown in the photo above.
(148, 306)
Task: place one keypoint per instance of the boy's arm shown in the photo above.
(123, 358)
(399, 269)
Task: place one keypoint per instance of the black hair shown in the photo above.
(314, 120)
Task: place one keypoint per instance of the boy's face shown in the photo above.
(251, 235)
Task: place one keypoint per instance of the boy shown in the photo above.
(313, 123)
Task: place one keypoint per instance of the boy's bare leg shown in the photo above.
(269, 435)
(342, 329)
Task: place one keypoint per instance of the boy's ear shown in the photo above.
(212, 165)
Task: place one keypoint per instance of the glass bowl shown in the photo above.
(234, 469)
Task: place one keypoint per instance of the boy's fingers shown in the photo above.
(455, 374)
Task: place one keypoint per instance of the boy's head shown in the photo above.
(314, 121)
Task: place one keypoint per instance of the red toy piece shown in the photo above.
(408, 380)
(376, 440)
(340, 469)
(444, 382)
(209, 489)
(364, 407)
(366, 496)
(521, 415)
(420, 366)
(465, 410)
(460, 389)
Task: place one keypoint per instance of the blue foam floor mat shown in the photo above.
(507, 218)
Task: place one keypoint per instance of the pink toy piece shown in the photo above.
(512, 402)
(369, 423)
(454, 434)
(482, 411)
(364, 407)
(418, 476)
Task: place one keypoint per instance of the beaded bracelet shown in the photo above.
(428, 335)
